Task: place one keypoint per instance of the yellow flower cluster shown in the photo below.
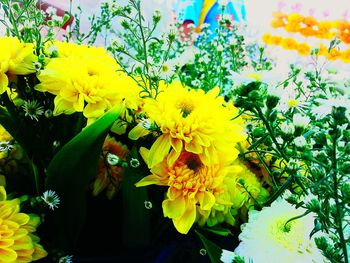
(309, 26)
(18, 243)
(85, 79)
(304, 49)
(193, 154)
(18, 59)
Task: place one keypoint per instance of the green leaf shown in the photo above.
(136, 218)
(14, 127)
(218, 231)
(213, 250)
(69, 174)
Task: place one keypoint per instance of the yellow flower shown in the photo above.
(303, 49)
(84, 79)
(334, 54)
(110, 176)
(345, 56)
(197, 122)
(289, 43)
(18, 243)
(16, 58)
(192, 186)
(241, 188)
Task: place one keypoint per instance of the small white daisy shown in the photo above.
(51, 199)
(66, 259)
(32, 109)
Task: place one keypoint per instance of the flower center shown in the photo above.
(186, 108)
(194, 163)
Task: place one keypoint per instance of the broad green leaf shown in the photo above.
(213, 250)
(136, 218)
(69, 174)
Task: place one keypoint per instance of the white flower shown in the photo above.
(287, 128)
(51, 11)
(204, 59)
(267, 237)
(247, 76)
(32, 109)
(5, 146)
(187, 57)
(66, 259)
(145, 123)
(300, 120)
(219, 48)
(167, 70)
(196, 83)
(227, 256)
(232, 41)
(325, 106)
(300, 141)
(51, 199)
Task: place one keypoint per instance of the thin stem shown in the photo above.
(272, 134)
(339, 216)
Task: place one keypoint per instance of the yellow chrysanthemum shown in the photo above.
(241, 188)
(18, 243)
(192, 186)
(15, 58)
(84, 79)
(109, 176)
(194, 121)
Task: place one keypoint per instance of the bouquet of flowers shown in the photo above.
(144, 144)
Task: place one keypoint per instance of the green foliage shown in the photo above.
(69, 174)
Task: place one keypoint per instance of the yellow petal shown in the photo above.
(3, 82)
(159, 150)
(148, 180)
(20, 218)
(4, 243)
(62, 106)
(144, 154)
(2, 193)
(137, 132)
(7, 255)
(39, 252)
(206, 200)
(174, 208)
(184, 223)
(95, 110)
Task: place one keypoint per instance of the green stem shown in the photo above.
(272, 134)
(339, 216)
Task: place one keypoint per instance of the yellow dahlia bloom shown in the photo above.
(194, 121)
(18, 243)
(193, 186)
(15, 58)
(84, 79)
(109, 176)
(267, 237)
